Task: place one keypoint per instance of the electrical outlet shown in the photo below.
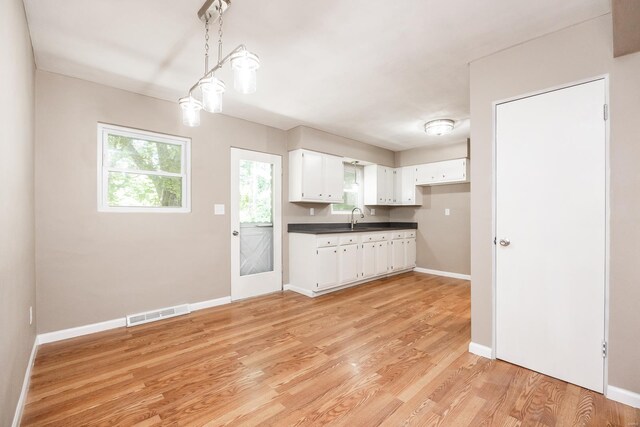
(31, 315)
(312, 211)
(447, 212)
(373, 212)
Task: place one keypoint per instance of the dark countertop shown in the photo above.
(333, 228)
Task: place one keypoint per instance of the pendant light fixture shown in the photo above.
(439, 127)
(207, 93)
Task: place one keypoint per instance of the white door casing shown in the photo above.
(551, 231)
(249, 285)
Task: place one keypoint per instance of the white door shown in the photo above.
(256, 223)
(551, 232)
(397, 254)
(312, 176)
(327, 265)
(369, 259)
(382, 258)
(410, 252)
(333, 178)
(348, 262)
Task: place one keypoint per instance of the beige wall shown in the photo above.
(576, 53)
(17, 270)
(443, 242)
(95, 266)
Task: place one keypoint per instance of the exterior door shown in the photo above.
(551, 233)
(256, 223)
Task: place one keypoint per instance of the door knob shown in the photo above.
(505, 242)
(235, 232)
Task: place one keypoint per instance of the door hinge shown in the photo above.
(317, 253)
(604, 349)
(605, 109)
(302, 194)
(495, 240)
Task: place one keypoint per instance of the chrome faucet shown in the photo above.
(355, 221)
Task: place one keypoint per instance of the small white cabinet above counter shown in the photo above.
(319, 263)
(315, 177)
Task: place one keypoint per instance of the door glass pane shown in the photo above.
(256, 217)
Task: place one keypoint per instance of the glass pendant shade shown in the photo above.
(190, 111)
(439, 127)
(212, 90)
(244, 65)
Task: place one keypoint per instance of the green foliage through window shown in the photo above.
(143, 172)
(256, 186)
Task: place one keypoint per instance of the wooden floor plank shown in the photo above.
(392, 352)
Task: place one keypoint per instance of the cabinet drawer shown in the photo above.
(373, 238)
(397, 235)
(410, 234)
(323, 242)
(348, 240)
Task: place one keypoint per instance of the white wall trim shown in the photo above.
(442, 273)
(115, 323)
(623, 396)
(480, 350)
(25, 386)
(81, 330)
(302, 291)
(209, 303)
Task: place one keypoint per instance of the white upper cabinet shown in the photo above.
(390, 186)
(315, 177)
(410, 194)
(445, 172)
(378, 185)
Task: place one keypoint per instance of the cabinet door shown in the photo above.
(410, 253)
(408, 186)
(312, 172)
(327, 267)
(382, 185)
(369, 259)
(426, 174)
(388, 185)
(348, 262)
(333, 178)
(397, 186)
(382, 258)
(453, 170)
(397, 254)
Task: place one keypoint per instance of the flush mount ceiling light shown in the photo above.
(439, 127)
(207, 93)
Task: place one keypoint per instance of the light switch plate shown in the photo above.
(447, 211)
(218, 209)
(312, 211)
(373, 212)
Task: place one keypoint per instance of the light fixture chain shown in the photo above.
(206, 45)
(220, 31)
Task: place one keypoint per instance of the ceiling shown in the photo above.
(371, 70)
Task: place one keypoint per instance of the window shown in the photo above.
(142, 171)
(353, 190)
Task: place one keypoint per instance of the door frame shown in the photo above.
(277, 218)
(494, 186)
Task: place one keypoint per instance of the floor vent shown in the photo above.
(152, 316)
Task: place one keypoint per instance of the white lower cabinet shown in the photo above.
(382, 258)
(326, 262)
(321, 262)
(369, 250)
(348, 263)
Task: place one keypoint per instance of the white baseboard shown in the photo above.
(25, 386)
(480, 350)
(302, 291)
(442, 273)
(210, 303)
(115, 323)
(79, 331)
(623, 396)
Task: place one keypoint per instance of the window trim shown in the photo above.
(360, 204)
(103, 170)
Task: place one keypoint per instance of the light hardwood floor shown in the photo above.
(392, 352)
